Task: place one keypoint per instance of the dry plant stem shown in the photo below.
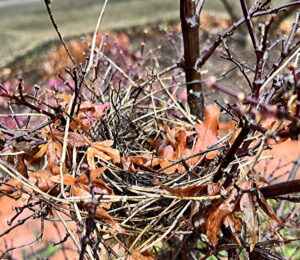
(190, 23)
(175, 101)
(70, 232)
(295, 169)
(169, 229)
(230, 154)
(249, 24)
(284, 65)
(91, 59)
(150, 225)
(64, 151)
(8, 169)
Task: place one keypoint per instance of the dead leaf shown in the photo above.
(104, 151)
(21, 166)
(269, 123)
(136, 255)
(233, 223)
(211, 216)
(208, 131)
(74, 139)
(42, 179)
(248, 209)
(68, 179)
(266, 208)
(185, 192)
(54, 153)
(101, 213)
(12, 188)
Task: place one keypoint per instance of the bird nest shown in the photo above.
(127, 162)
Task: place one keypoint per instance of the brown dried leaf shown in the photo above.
(217, 215)
(74, 139)
(78, 124)
(54, 153)
(185, 192)
(143, 161)
(99, 185)
(170, 136)
(104, 151)
(168, 158)
(79, 191)
(248, 209)
(68, 179)
(101, 213)
(97, 172)
(269, 123)
(21, 166)
(136, 255)
(42, 151)
(12, 188)
(266, 208)
(42, 179)
(208, 131)
(234, 224)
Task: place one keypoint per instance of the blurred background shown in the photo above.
(25, 25)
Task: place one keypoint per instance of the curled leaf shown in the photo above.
(185, 192)
(42, 179)
(208, 131)
(267, 209)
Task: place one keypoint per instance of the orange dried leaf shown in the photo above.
(21, 166)
(208, 131)
(97, 172)
(136, 255)
(216, 216)
(68, 179)
(170, 136)
(11, 188)
(185, 192)
(54, 153)
(234, 224)
(78, 191)
(78, 124)
(104, 151)
(42, 151)
(67, 98)
(42, 179)
(269, 123)
(101, 213)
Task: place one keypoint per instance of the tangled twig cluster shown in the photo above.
(120, 155)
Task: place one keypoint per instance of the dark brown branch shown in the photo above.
(282, 188)
(190, 23)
